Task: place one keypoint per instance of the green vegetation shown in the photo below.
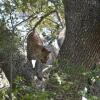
(60, 85)
(17, 19)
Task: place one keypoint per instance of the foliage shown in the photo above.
(27, 92)
(18, 17)
(10, 42)
(3, 94)
(69, 79)
(60, 85)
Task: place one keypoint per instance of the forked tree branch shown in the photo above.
(43, 17)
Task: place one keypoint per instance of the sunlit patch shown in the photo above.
(33, 63)
(83, 98)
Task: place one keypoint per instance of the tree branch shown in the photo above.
(57, 13)
(52, 21)
(26, 20)
(42, 18)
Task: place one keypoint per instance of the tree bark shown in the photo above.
(82, 39)
(82, 42)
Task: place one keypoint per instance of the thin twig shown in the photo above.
(11, 57)
(26, 20)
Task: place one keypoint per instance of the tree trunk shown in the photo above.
(82, 42)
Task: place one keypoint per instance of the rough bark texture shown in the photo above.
(82, 42)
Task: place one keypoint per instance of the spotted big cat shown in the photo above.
(35, 48)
